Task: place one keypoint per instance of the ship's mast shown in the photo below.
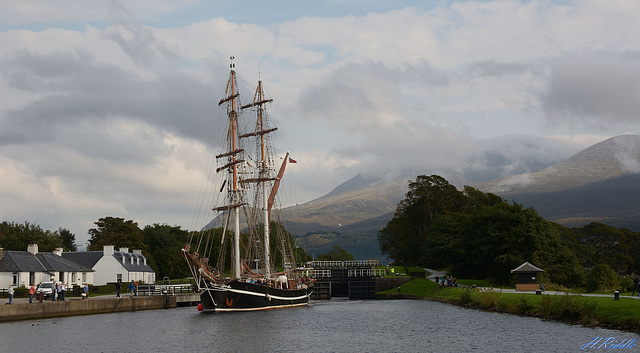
(235, 199)
(261, 131)
(264, 170)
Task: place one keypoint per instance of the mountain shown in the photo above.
(354, 206)
(349, 216)
(598, 184)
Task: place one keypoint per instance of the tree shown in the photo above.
(68, 239)
(164, 244)
(490, 241)
(601, 243)
(115, 231)
(428, 197)
(602, 278)
(14, 236)
(336, 254)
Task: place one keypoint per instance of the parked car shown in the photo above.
(45, 288)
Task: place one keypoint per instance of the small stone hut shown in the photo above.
(527, 277)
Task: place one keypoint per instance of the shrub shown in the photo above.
(546, 305)
(488, 297)
(566, 307)
(602, 278)
(626, 283)
(524, 305)
(465, 297)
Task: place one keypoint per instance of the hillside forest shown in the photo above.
(479, 235)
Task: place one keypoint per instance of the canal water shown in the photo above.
(337, 325)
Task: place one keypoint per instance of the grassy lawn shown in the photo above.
(585, 310)
(401, 270)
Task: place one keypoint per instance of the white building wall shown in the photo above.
(6, 278)
(107, 269)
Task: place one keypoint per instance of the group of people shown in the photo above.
(58, 291)
(449, 281)
(133, 288)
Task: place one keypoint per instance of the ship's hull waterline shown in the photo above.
(242, 296)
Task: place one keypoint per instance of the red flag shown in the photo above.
(291, 160)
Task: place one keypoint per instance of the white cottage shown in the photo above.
(110, 265)
(23, 268)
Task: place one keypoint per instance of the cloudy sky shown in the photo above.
(109, 108)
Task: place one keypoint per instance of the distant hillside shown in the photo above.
(611, 158)
(598, 184)
(359, 204)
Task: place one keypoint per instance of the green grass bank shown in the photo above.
(622, 314)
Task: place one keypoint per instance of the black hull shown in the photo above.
(242, 296)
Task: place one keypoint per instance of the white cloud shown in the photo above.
(111, 108)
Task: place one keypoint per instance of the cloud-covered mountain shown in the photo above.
(598, 184)
(608, 159)
(367, 201)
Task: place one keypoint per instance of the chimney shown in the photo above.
(138, 253)
(125, 250)
(58, 251)
(107, 250)
(32, 248)
(1, 252)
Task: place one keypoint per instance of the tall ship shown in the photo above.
(255, 266)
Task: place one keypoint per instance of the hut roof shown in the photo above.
(526, 267)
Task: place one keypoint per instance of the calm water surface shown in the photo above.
(338, 325)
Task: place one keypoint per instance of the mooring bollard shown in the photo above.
(616, 295)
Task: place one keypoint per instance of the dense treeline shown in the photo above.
(16, 236)
(480, 235)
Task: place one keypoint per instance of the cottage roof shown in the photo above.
(90, 258)
(20, 261)
(24, 261)
(526, 268)
(59, 264)
(131, 261)
(84, 258)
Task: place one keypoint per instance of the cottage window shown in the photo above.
(15, 279)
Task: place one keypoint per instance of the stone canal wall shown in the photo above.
(73, 307)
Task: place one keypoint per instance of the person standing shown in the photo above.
(86, 291)
(53, 292)
(118, 289)
(131, 288)
(63, 289)
(59, 290)
(10, 294)
(636, 285)
(32, 291)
